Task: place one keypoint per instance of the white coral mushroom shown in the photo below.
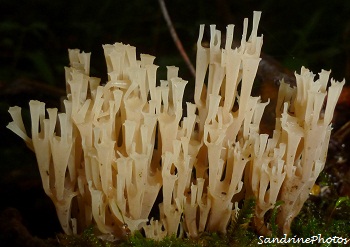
(118, 146)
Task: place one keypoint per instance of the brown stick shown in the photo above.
(176, 39)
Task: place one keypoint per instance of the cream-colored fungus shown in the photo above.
(117, 147)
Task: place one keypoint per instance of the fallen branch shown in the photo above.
(176, 39)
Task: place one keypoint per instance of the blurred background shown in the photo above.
(35, 36)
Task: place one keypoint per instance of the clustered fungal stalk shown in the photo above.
(117, 147)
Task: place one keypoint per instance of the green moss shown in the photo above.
(87, 239)
(138, 240)
(329, 219)
(239, 232)
(327, 216)
(274, 227)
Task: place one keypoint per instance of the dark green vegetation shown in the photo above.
(35, 36)
(319, 216)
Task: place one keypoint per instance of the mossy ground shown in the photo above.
(319, 216)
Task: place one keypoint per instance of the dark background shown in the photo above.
(35, 36)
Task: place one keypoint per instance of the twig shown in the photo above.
(175, 37)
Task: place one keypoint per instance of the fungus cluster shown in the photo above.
(119, 149)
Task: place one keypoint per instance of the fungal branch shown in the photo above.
(117, 147)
